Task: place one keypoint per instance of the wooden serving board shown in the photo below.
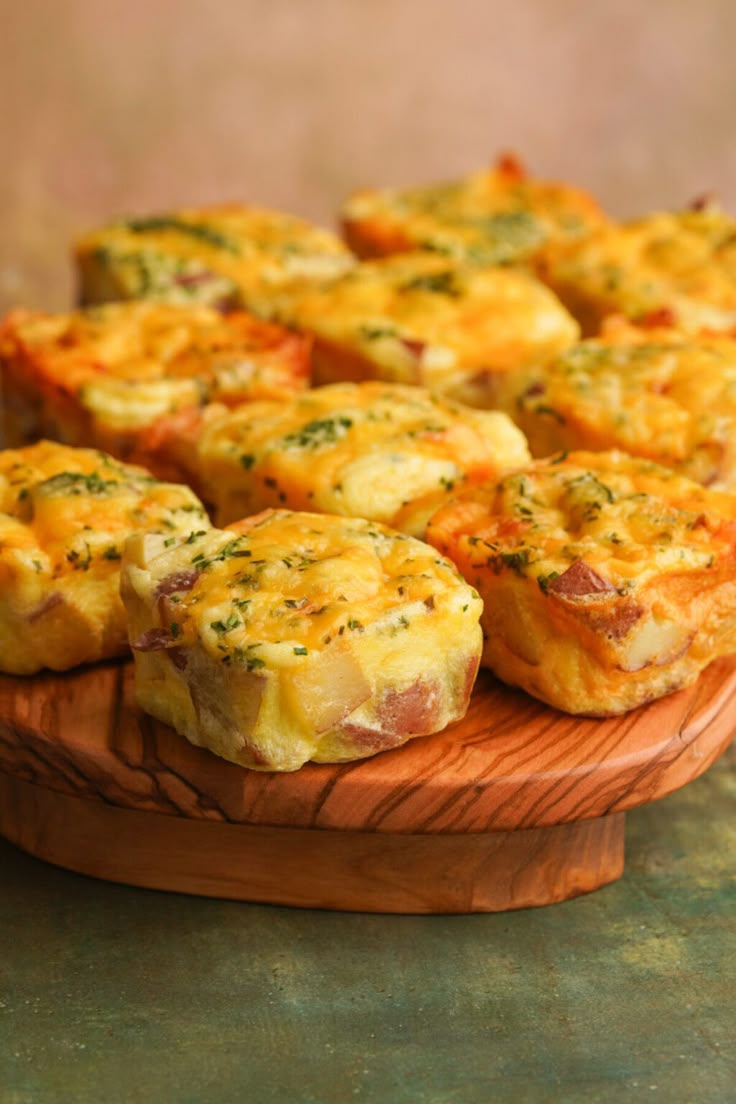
(516, 805)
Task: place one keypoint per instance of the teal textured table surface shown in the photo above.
(120, 994)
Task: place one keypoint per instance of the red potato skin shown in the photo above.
(595, 601)
(153, 640)
(579, 581)
(175, 583)
(402, 714)
(613, 619)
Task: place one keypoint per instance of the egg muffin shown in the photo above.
(291, 637)
(99, 377)
(419, 318)
(653, 393)
(231, 254)
(607, 581)
(65, 514)
(493, 216)
(678, 266)
(356, 449)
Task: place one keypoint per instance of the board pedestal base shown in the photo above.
(347, 870)
(515, 806)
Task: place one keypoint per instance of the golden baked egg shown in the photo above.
(607, 581)
(65, 514)
(292, 636)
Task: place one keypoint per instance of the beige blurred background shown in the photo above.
(109, 108)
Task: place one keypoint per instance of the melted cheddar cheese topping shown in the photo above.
(493, 216)
(355, 449)
(629, 519)
(101, 373)
(422, 319)
(666, 397)
(65, 515)
(606, 580)
(273, 585)
(230, 253)
(310, 631)
(678, 265)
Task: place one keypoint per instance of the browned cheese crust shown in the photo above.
(679, 266)
(101, 377)
(607, 581)
(291, 637)
(493, 216)
(372, 450)
(655, 393)
(419, 318)
(65, 514)
(232, 255)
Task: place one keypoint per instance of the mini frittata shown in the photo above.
(653, 393)
(365, 450)
(291, 637)
(65, 515)
(99, 377)
(607, 581)
(679, 267)
(499, 215)
(419, 318)
(230, 254)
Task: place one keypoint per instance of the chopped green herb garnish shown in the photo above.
(517, 560)
(203, 233)
(232, 622)
(543, 581)
(443, 283)
(320, 431)
(76, 483)
(374, 333)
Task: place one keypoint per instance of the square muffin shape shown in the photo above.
(292, 636)
(679, 266)
(102, 376)
(65, 514)
(372, 450)
(607, 581)
(230, 254)
(655, 393)
(496, 215)
(423, 319)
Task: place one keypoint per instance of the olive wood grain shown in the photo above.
(514, 806)
(313, 868)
